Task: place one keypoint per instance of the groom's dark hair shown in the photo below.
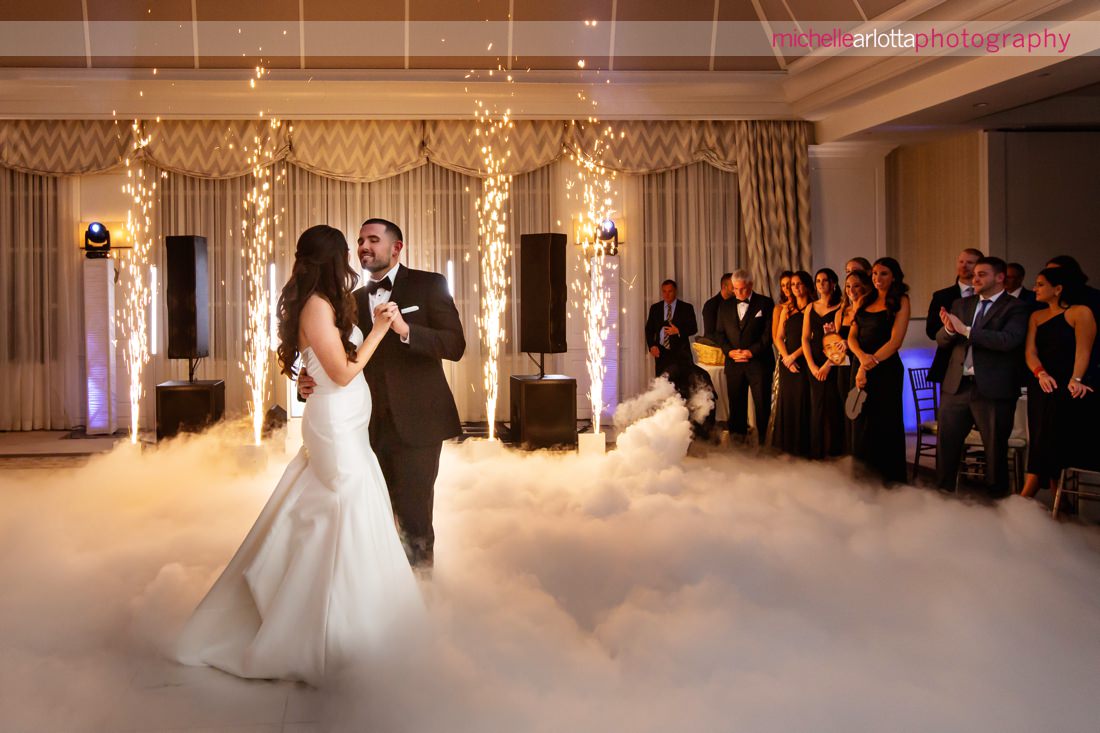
(390, 228)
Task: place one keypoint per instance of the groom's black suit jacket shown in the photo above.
(406, 381)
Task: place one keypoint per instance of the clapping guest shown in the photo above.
(963, 288)
(983, 336)
(792, 419)
(877, 334)
(826, 394)
(1062, 409)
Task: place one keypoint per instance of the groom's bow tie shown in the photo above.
(375, 285)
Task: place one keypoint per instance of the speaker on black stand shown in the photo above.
(543, 406)
(193, 405)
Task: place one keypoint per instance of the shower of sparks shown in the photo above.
(492, 218)
(259, 226)
(140, 190)
(592, 189)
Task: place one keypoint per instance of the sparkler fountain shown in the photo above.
(139, 190)
(494, 248)
(593, 189)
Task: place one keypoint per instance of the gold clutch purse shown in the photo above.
(708, 355)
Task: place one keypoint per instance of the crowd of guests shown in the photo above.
(821, 363)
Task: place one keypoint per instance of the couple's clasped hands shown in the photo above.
(387, 316)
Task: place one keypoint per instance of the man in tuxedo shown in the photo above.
(710, 308)
(413, 409)
(943, 299)
(983, 336)
(744, 333)
(1014, 283)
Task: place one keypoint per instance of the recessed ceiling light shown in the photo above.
(979, 105)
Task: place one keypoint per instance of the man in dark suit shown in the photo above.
(744, 333)
(943, 299)
(710, 308)
(670, 324)
(983, 336)
(1014, 283)
(413, 409)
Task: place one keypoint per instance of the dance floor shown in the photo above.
(644, 590)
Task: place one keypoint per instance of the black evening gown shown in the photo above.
(880, 428)
(826, 401)
(845, 380)
(792, 419)
(1063, 431)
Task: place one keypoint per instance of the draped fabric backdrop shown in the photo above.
(701, 197)
(41, 326)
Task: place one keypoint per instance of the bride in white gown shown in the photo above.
(322, 578)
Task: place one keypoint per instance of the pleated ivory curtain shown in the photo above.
(435, 208)
(685, 222)
(41, 327)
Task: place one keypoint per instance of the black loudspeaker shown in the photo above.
(544, 411)
(188, 406)
(187, 291)
(542, 293)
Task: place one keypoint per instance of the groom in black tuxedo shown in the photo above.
(413, 409)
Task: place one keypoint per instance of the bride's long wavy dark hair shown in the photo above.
(320, 267)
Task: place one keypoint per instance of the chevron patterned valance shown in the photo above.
(367, 150)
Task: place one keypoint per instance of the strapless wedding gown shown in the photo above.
(322, 578)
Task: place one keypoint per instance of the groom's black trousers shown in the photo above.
(410, 472)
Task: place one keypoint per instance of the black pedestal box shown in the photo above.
(189, 406)
(544, 411)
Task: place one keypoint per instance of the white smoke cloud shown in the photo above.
(643, 591)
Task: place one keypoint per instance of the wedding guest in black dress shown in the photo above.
(856, 285)
(792, 420)
(877, 333)
(780, 306)
(1063, 411)
(1090, 298)
(826, 398)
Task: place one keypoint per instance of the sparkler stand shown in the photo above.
(592, 444)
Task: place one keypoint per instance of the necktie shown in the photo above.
(666, 341)
(375, 285)
(967, 291)
(968, 362)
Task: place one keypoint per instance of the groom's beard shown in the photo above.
(375, 267)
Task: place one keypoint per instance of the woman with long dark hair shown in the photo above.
(792, 419)
(857, 284)
(780, 304)
(826, 425)
(877, 333)
(1063, 412)
(322, 577)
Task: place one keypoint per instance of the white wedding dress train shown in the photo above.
(321, 579)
